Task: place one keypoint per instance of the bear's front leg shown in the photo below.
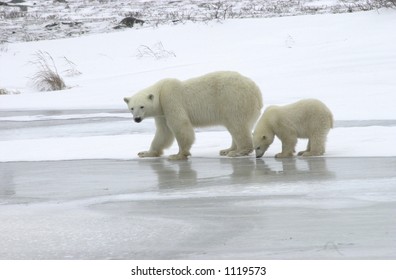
(163, 139)
(184, 134)
(288, 146)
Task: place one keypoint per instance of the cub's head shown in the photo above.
(261, 141)
(141, 105)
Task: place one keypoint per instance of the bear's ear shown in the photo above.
(151, 97)
(126, 100)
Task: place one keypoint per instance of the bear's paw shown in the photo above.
(149, 154)
(284, 155)
(310, 154)
(179, 157)
(225, 152)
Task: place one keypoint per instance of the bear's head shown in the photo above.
(143, 104)
(261, 141)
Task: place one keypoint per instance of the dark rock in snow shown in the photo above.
(129, 22)
(49, 26)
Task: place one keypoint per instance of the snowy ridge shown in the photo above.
(63, 117)
(48, 19)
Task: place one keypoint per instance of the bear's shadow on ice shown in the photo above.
(211, 172)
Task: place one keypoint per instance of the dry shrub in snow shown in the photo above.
(4, 91)
(388, 3)
(47, 78)
(71, 70)
(157, 51)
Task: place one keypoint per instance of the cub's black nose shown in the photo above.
(138, 120)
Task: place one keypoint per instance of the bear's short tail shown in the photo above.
(332, 121)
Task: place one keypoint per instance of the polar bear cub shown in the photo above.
(309, 119)
(220, 98)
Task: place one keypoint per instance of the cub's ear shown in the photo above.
(126, 100)
(151, 97)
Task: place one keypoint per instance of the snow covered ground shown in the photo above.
(346, 60)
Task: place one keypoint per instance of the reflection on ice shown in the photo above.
(228, 171)
(7, 186)
(203, 208)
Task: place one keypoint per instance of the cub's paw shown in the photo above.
(178, 157)
(309, 154)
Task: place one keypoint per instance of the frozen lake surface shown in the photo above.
(204, 208)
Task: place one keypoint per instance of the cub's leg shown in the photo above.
(307, 150)
(317, 145)
(288, 145)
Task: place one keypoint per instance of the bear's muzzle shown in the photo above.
(259, 152)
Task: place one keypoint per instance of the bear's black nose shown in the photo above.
(138, 120)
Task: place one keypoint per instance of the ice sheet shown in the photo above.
(319, 208)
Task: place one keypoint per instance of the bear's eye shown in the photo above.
(132, 109)
(141, 107)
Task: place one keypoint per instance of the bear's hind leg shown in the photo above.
(307, 150)
(316, 146)
(149, 154)
(242, 137)
(232, 148)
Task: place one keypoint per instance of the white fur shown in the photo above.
(308, 118)
(220, 98)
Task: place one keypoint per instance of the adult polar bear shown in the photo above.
(308, 118)
(219, 98)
